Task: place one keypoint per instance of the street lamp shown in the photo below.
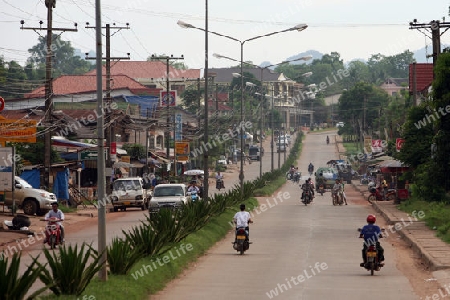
(299, 27)
(304, 58)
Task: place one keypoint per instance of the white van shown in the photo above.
(130, 192)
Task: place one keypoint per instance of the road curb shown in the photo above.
(430, 262)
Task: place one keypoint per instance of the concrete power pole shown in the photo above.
(434, 26)
(167, 133)
(50, 4)
(109, 129)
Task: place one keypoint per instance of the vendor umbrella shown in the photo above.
(194, 172)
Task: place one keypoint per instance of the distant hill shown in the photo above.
(419, 56)
(315, 54)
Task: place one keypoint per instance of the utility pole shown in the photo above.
(50, 4)
(434, 26)
(109, 129)
(168, 96)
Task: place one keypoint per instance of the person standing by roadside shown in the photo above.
(384, 186)
(343, 191)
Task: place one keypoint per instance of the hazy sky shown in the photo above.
(353, 28)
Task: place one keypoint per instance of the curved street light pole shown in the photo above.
(299, 27)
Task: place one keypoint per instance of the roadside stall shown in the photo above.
(392, 170)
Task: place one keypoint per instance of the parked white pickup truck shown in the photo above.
(31, 201)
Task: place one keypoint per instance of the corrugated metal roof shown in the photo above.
(424, 76)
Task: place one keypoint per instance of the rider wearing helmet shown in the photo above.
(371, 233)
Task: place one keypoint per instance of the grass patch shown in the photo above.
(437, 215)
(351, 148)
(157, 274)
(270, 188)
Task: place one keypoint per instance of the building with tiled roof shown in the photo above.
(393, 86)
(77, 88)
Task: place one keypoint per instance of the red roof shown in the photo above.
(149, 69)
(79, 84)
(221, 106)
(424, 76)
(22, 114)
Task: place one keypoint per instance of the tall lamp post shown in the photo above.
(304, 58)
(299, 27)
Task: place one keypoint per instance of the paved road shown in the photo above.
(299, 252)
(116, 222)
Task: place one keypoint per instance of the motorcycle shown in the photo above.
(338, 197)
(372, 263)
(19, 222)
(328, 140)
(296, 177)
(307, 197)
(53, 233)
(220, 184)
(241, 242)
(376, 195)
(194, 196)
(321, 189)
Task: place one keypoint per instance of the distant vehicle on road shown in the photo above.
(340, 124)
(255, 152)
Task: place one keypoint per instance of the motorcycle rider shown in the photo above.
(291, 172)
(310, 168)
(371, 233)
(242, 219)
(337, 188)
(328, 140)
(56, 213)
(307, 186)
(219, 180)
(193, 187)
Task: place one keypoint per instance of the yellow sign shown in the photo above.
(126, 159)
(182, 148)
(368, 144)
(182, 158)
(18, 131)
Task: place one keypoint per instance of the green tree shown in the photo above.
(359, 106)
(440, 106)
(416, 152)
(64, 61)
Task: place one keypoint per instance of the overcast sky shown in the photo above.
(353, 28)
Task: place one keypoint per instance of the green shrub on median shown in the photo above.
(167, 230)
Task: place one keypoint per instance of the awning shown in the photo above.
(158, 158)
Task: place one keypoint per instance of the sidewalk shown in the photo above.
(434, 253)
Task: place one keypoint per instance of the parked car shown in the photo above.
(130, 192)
(30, 200)
(170, 195)
(340, 124)
(222, 160)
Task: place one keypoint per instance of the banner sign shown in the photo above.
(377, 145)
(399, 144)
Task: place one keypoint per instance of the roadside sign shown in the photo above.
(168, 100)
(182, 148)
(90, 155)
(17, 130)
